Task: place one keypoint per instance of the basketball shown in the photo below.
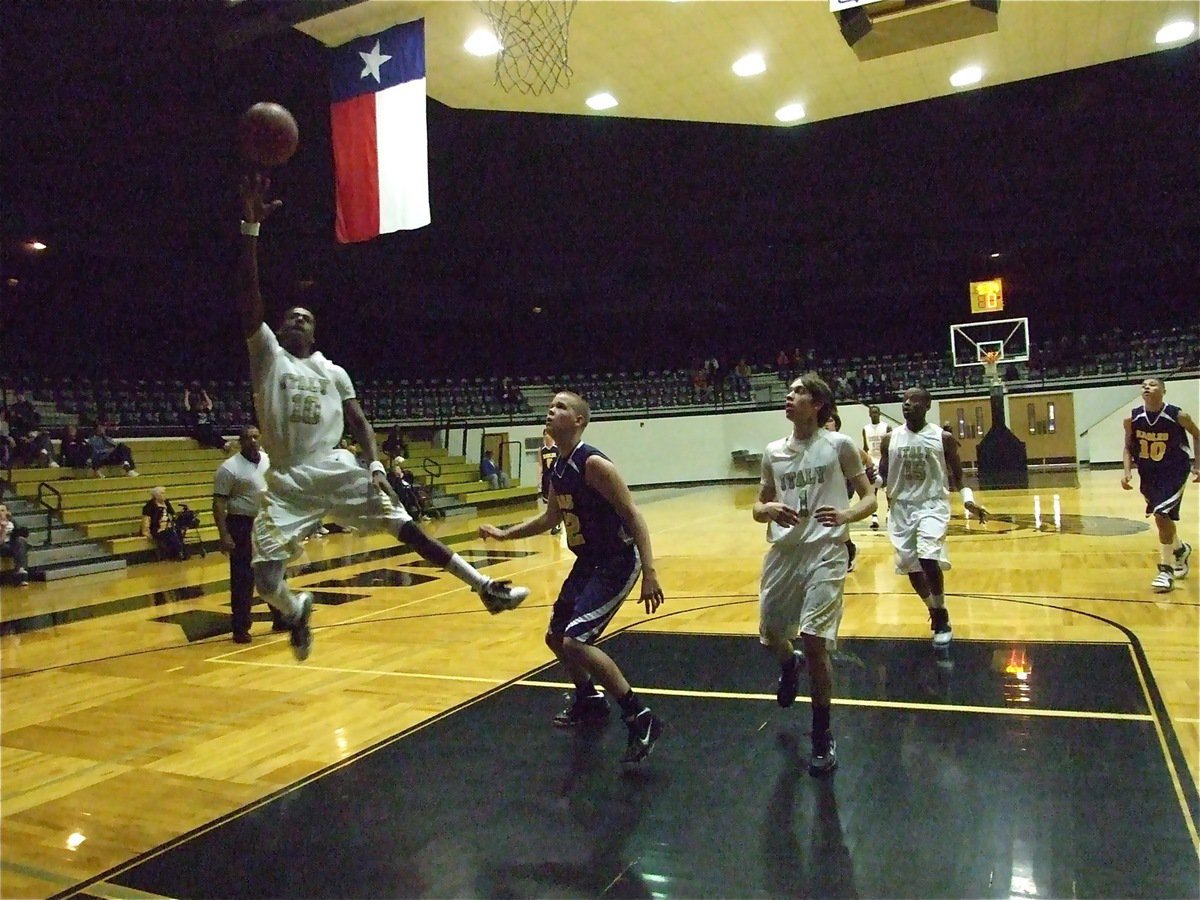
(269, 134)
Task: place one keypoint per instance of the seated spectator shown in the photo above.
(509, 395)
(14, 542)
(199, 418)
(783, 365)
(31, 443)
(394, 446)
(107, 452)
(405, 486)
(160, 525)
(492, 473)
(73, 450)
(7, 444)
(739, 379)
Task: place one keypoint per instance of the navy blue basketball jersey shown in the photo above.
(593, 527)
(1158, 441)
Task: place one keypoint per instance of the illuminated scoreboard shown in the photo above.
(987, 296)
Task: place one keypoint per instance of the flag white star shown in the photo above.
(372, 61)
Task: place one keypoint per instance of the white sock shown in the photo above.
(1167, 553)
(464, 571)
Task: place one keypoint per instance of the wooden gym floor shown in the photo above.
(1052, 752)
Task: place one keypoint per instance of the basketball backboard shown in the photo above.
(970, 341)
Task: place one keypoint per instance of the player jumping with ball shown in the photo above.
(303, 403)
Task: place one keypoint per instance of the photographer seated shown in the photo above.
(166, 528)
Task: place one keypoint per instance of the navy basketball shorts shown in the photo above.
(1163, 491)
(592, 594)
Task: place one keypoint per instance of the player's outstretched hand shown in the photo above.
(255, 206)
(980, 511)
(492, 532)
(652, 594)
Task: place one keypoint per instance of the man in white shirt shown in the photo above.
(304, 403)
(238, 489)
(802, 498)
(873, 433)
(919, 463)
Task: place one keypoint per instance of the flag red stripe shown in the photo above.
(356, 168)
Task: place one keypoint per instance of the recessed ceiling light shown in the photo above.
(793, 112)
(969, 75)
(601, 101)
(1174, 31)
(994, 255)
(482, 43)
(750, 64)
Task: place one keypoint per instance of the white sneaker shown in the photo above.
(132, 473)
(874, 522)
(52, 465)
(1164, 580)
(499, 596)
(98, 473)
(1181, 560)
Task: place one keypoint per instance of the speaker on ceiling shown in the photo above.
(855, 24)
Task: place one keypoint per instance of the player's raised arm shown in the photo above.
(255, 210)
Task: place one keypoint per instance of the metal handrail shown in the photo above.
(50, 510)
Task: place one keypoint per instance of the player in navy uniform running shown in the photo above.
(1156, 440)
(608, 536)
(548, 455)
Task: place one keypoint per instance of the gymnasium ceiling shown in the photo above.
(671, 60)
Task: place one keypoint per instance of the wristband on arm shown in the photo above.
(968, 495)
(376, 466)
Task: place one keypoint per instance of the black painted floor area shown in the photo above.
(491, 801)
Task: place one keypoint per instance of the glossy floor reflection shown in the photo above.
(952, 783)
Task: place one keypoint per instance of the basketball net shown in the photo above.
(990, 360)
(533, 43)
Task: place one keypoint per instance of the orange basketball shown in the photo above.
(269, 134)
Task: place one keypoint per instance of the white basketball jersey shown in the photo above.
(917, 465)
(807, 475)
(874, 436)
(298, 401)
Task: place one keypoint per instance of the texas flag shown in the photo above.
(380, 151)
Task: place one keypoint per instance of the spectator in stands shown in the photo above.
(7, 444)
(701, 392)
(492, 473)
(160, 525)
(405, 486)
(14, 542)
(783, 365)
(73, 450)
(739, 379)
(394, 446)
(509, 395)
(31, 443)
(199, 419)
(107, 452)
